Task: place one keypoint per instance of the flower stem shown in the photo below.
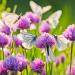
(51, 68)
(3, 53)
(71, 56)
(27, 71)
(46, 68)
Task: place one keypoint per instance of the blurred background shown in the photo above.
(67, 7)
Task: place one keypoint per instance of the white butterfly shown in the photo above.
(54, 19)
(28, 40)
(61, 43)
(49, 54)
(38, 9)
(32, 27)
(10, 18)
(1, 24)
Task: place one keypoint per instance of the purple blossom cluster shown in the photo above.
(38, 66)
(3, 70)
(60, 59)
(44, 40)
(69, 33)
(45, 27)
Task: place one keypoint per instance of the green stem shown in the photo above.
(3, 53)
(51, 69)
(46, 68)
(71, 57)
(27, 71)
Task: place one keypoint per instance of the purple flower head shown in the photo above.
(43, 72)
(3, 70)
(63, 57)
(6, 52)
(33, 17)
(69, 33)
(72, 70)
(45, 40)
(23, 23)
(11, 63)
(17, 41)
(22, 62)
(3, 40)
(37, 65)
(45, 27)
(57, 62)
(5, 29)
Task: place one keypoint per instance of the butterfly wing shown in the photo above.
(46, 8)
(35, 7)
(61, 43)
(1, 24)
(28, 40)
(49, 55)
(54, 18)
(10, 18)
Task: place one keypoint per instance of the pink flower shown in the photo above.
(3, 70)
(72, 70)
(45, 27)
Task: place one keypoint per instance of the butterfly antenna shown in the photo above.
(20, 15)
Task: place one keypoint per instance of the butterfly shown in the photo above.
(49, 54)
(10, 18)
(61, 42)
(28, 40)
(53, 20)
(1, 24)
(38, 9)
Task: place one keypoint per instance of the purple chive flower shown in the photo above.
(11, 63)
(37, 65)
(33, 17)
(23, 23)
(57, 62)
(3, 40)
(45, 27)
(5, 29)
(17, 41)
(6, 52)
(72, 70)
(69, 33)
(22, 62)
(43, 72)
(44, 40)
(63, 57)
(3, 70)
